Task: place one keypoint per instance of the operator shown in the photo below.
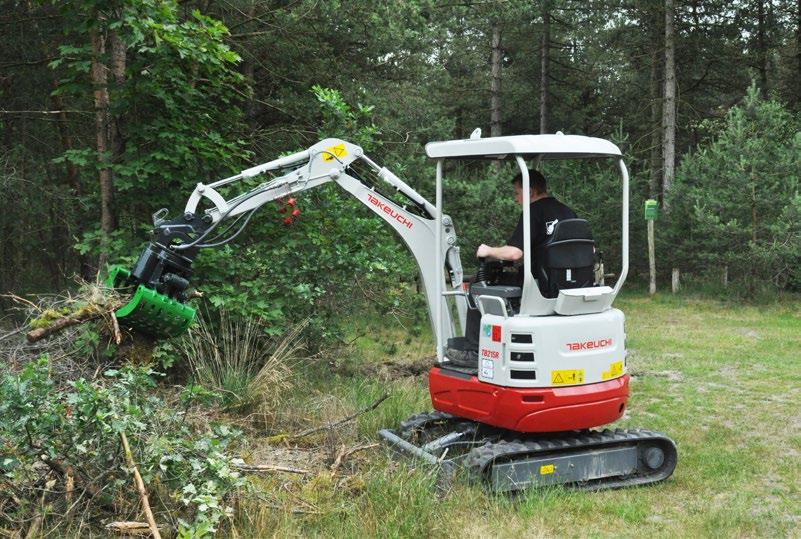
(545, 212)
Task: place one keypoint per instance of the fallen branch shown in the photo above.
(268, 468)
(115, 326)
(344, 453)
(12, 333)
(17, 299)
(342, 421)
(61, 324)
(127, 528)
(140, 486)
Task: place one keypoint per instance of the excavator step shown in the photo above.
(149, 311)
(507, 461)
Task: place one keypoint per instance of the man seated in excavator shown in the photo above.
(545, 213)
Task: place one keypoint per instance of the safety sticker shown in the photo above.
(487, 373)
(545, 469)
(615, 370)
(334, 152)
(572, 376)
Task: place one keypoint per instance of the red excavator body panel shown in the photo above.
(553, 409)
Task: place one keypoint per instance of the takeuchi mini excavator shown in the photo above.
(551, 359)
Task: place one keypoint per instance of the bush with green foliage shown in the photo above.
(77, 425)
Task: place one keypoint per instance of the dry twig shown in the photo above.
(331, 426)
(115, 326)
(344, 453)
(140, 486)
(268, 468)
(127, 528)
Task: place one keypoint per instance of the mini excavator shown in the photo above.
(521, 410)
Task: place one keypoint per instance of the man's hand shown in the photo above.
(507, 252)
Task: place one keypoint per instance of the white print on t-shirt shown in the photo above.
(549, 225)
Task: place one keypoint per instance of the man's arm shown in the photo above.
(507, 252)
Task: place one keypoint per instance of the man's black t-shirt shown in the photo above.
(545, 213)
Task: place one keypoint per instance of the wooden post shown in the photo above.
(725, 276)
(651, 213)
(674, 281)
(651, 259)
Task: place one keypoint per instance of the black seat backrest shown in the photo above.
(568, 258)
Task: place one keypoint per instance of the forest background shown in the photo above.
(114, 109)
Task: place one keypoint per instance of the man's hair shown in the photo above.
(535, 179)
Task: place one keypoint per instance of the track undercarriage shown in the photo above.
(508, 461)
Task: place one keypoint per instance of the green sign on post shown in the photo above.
(651, 209)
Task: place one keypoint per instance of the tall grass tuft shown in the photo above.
(234, 357)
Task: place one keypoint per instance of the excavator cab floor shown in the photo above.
(147, 310)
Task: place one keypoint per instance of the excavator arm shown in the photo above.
(161, 275)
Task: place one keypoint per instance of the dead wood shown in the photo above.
(61, 324)
(344, 453)
(331, 426)
(129, 528)
(268, 468)
(115, 326)
(140, 486)
(66, 471)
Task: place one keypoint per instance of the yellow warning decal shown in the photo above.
(615, 370)
(338, 152)
(573, 376)
(545, 469)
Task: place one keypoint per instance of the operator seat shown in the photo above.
(567, 258)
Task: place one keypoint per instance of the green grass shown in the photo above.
(723, 380)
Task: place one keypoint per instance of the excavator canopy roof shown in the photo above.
(556, 146)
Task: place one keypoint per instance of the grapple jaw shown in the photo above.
(149, 311)
(158, 282)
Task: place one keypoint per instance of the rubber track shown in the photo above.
(480, 459)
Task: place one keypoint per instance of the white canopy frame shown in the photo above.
(552, 147)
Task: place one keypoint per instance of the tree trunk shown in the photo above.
(545, 60)
(762, 53)
(495, 91)
(651, 259)
(655, 22)
(101, 104)
(669, 107)
(798, 50)
(754, 220)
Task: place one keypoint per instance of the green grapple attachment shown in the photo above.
(149, 311)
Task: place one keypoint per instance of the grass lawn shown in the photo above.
(724, 381)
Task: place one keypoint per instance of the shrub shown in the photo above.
(68, 433)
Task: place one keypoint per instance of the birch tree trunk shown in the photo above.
(545, 60)
(669, 106)
(495, 90)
